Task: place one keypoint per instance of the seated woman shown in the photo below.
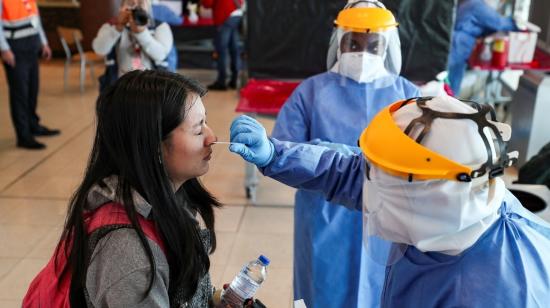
(138, 44)
(151, 145)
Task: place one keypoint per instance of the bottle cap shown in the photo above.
(264, 260)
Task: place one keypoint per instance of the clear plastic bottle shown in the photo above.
(246, 283)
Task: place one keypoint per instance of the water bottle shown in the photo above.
(246, 283)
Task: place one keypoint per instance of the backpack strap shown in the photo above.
(114, 214)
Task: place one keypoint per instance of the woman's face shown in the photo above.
(187, 150)
(130, 4)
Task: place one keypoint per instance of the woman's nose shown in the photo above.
(210, 137)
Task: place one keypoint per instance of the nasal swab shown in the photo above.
(223, 142)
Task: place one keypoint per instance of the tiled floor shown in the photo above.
(35, 188)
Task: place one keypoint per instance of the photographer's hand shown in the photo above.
(122, 19)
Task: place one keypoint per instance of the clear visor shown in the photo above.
(373, 43)
(365, 57)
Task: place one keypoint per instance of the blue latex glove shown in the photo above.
(249, 139)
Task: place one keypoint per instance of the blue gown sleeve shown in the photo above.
(305, 166)
(165, 14)
(293, 121)
(490, 20)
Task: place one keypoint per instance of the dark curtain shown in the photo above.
(93, 14)
(425, 28)
(289, 38)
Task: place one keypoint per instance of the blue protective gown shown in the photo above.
(474, 19)
(508, 266)
(327, 239)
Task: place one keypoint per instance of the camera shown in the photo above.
(140, 16)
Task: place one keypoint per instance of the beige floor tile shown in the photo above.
(224, 245)
(10, 303)
(268, 220)
(228, 218)
(16, 211)
(216, 274)
(46, 247)
(6, 265)
(273, 193)
(18, 241)
(14, 285)
(53, 186)
(248, 246)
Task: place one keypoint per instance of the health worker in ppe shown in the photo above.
(333, 107)
(428, 182)
(474, 19)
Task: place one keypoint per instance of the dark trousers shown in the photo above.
(227, 38)
(23, 85)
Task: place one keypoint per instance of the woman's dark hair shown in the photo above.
(133, 117)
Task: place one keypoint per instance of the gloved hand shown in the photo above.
(249, 139)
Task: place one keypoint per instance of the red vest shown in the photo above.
(16, 10)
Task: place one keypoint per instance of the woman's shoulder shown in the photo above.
(125, 242)
(119, 262)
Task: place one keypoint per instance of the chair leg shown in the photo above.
(92, 75)
(65, 74)
(82, 75)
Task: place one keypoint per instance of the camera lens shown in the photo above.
(140, 16)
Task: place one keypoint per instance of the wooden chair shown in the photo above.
(71, 39)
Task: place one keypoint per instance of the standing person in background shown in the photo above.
(364, 62)
(162, 13)
(22, 39)
(227, 18)
(137, 47)
(474, 19)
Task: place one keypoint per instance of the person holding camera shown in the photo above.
(134, 38)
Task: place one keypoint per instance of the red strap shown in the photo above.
(115, 214)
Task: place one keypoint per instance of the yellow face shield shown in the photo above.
(365, 19)
(393, 150)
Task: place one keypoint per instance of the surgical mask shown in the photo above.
(436, 215)
(362, 67)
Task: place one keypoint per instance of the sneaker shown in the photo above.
(30, 144)
(43, 131)
(217, 86)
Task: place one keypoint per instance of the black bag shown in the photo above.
(111, 71)
(537, 169)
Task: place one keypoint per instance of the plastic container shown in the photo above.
(500, 51)
(246, 283)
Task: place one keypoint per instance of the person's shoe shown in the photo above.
(43, 131)
(232, 84)
(217, 86)
(30, 144)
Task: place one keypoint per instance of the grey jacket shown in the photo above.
(119, 272)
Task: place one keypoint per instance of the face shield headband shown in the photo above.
(424, 164)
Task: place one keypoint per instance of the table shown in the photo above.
(494, 83)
